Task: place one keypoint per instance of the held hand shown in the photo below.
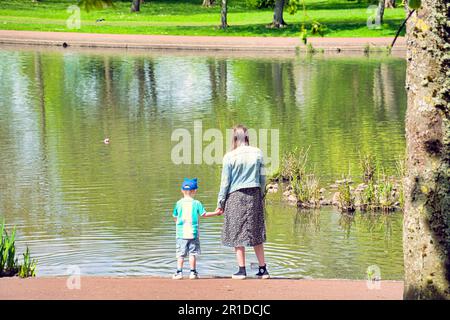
(219, 211)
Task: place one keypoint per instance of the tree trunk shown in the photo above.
(278, 21)
(426, 233)
(380, 11)
(208, 3)
(390, 4)
(135, 5)
(223, 14)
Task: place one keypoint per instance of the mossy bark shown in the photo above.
(426, 234)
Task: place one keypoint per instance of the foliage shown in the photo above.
(260, 4)
(8, 262)
(368, 167)
(316, 28)
(306, 190)
(346, 198)
(28, 268)
(368, 196)
(292, 165)
(414, 4)
(385, 193)
(304, 184)
(172, 17)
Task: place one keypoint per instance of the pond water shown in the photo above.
(106, 208)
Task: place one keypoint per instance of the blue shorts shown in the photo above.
(187, 247)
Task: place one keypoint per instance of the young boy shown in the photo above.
(186, 214)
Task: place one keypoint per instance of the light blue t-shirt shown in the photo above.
(187, 212)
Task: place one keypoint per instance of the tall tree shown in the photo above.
(208, 3)
(135, 5)
(380, 11)
(390, 3)
(278, 21)
(426, 231)
(223, 14)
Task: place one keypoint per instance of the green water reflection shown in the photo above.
(107, 208)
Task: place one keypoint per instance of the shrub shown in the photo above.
(260, 4)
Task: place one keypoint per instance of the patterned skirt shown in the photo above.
(244, 219)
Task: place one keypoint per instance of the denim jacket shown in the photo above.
(242, 168)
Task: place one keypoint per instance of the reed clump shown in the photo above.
(9, 265)
(300, 185)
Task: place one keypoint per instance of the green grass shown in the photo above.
(343, 18)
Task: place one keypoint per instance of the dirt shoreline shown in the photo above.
(152, 288)
(211, 43)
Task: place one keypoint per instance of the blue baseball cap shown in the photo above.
(189, 184)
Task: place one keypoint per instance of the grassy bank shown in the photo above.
(343, 18)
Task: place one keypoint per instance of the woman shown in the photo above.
(241, 199)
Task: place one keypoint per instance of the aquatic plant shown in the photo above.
(8, 262)
(292, 164)
(28, 268)
(300, 185)
(368, 167)
(386, 195)
(368, 197)
(346, 199)
(306, 189)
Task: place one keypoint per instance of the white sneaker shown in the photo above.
(193, 275)
(177, 276)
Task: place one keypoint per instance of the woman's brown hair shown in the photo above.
(240, 136)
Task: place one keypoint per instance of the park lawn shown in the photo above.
(343, 18)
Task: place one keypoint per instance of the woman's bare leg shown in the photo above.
(259, 251)
(240, 256)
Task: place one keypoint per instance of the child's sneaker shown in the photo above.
(240, 275)
(263, 273)
(178, 275)
(193, 275)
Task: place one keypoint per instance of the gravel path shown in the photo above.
(93, 287)
(191, 42)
